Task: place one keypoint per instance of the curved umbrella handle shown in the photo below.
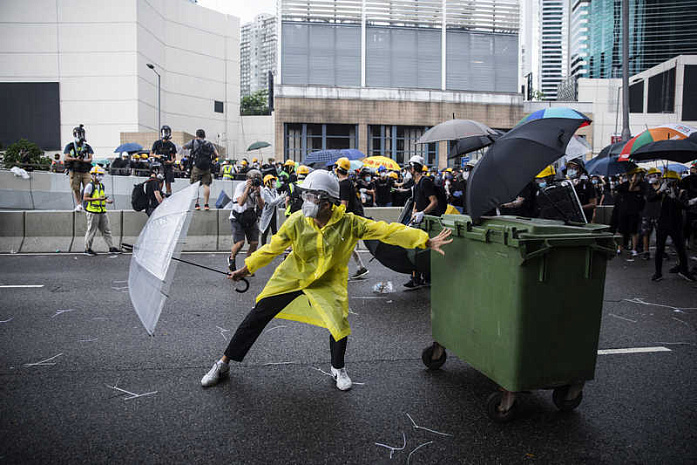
(246, 287)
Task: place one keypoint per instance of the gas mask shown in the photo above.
(310, 206)
(653, 179)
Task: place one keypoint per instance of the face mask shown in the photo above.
(100, 177)
(383, 175)
(571, 173)
(653, 180)
(594, 181)
(368, 178)
(310, 209)
(542, 184)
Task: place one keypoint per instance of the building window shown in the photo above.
(636, 97)
(399, 143)
(218, 106)
(689, 93)
(303, 138)
(662, 92)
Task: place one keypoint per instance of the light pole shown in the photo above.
(159, 112)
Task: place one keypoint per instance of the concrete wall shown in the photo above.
(253, 129)
(63, 231)
(97, 51)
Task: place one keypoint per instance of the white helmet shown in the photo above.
(322, 181)
(417, 159)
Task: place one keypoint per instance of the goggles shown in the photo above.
(310, 196)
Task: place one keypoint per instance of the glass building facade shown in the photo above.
(658, 30)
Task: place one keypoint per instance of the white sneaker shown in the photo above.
(343, 382)
(634, 253)
(218, 371)
(78, 208)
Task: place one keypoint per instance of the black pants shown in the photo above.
(271, 227)
(256, 320)
(678, 242)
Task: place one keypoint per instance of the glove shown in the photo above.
(663, 188)
(692, 202)
(418, 217)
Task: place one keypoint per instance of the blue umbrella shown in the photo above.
(677, 167)
(331, 156)
(609, 166)
(128, 147)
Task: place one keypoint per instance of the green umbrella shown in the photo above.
(258, 145)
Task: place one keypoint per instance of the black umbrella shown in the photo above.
(680, 150)
(612, 150)
(516, 157)
(400, 259)
(470, 144)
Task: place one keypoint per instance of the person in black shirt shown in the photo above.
(524, 203)
(383, 188)
(166, 152)
(348, 195)
(366, 187)
(576, 172)
(689, 185)
(629, 203)
(78, 160)
(153, 191)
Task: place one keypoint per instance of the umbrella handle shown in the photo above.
(246, 287)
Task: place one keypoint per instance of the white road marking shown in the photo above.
(633, 350)
(18, 286)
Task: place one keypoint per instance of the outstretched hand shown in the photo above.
(435, 243)
(238, 274)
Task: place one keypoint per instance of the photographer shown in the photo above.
(78, 160)
(243, 217)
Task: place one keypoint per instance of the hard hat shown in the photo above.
(289, 163)
(393, 175)
(166, 132)
(653, 170)
(244, 162)
(97, 170)
(322, 181)
(448, 170)
(381, 168)
(424, 168)
(254, 174)
(268, 178)
(670, 174)
(578, 162)
(255, 160)
(417, 159)
(549, 171)
(303, 170)
(637, 170)
(344, 163)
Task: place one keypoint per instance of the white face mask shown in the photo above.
(100, 177)
(310, 209)
(571, 173)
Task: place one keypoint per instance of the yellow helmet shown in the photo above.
(549, 171)
(637, 170)
(269, 177)
(670, 174)
(97, 170)
(344, 163)
(289, 163)
(448, 170)
(303, 170)
(392, 175)
(255, 160)
(424, 169)
(244, 162)
(653, 170)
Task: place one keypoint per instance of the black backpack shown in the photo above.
(202, 154)
(139, 197)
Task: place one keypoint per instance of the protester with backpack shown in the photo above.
(78, 160)
(202, 154)
(165, 151)
(94, 201)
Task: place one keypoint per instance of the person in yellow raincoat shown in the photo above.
(310, 285)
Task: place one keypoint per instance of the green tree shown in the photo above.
(255, 104)
(24, 153)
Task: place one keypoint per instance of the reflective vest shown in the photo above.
(96, 206)
(295, 203)
(227, 172)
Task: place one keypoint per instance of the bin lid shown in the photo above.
(524, 228)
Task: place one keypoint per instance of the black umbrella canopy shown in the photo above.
(515, 158)
(400, 259)
(682, 151)
(470, 144)
(611, 150)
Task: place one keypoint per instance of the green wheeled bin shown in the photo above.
(520, 300)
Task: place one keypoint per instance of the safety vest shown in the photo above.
(295, 199)
(227, 172)
(96, 206)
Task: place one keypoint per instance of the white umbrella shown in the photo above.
(156, 252)
(577, 148)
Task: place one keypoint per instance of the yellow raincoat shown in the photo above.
(318, 265)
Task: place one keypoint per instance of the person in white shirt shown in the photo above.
(243, 217)
(272, 199)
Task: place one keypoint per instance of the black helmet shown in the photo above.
(166, 132)
(79, 133)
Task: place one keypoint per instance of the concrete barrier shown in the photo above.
(224, 243)
(11, 231)
(98, 245)
(131, 224)
(48, 231)
(203, 232)
(603, 214)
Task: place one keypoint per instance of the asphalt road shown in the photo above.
(278, 407)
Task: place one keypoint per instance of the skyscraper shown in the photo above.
(257, 53)
(554, 32)
(579, 41)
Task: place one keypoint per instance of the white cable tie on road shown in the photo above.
(7, 321)
(132, 395)
(275, 327)
(426, 429)
(393, 449)
(622, 318)
(683, 322)
(60, 312)
(223, 331)
(419, 447)
(637, 300)
(88, 340)
(634, 350)
(119, 288)
(279, 363)
(43, 363)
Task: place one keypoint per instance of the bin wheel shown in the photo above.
(559, 399)
(431, 364)
(493, 411)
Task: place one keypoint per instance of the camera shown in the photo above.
(256, 182)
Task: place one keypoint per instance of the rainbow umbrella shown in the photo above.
(377, 161)
(556, 112)
(658, 142)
